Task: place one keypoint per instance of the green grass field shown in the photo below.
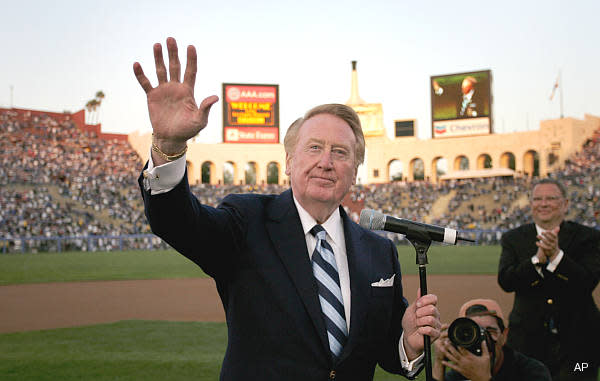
(127, 350)
(152, 350)
(86, 266)
(167, 264)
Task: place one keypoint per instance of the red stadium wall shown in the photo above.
(78, 118)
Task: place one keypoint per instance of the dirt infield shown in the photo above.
(59, 305)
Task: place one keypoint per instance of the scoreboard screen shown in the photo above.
(250, 113)
(461, 104)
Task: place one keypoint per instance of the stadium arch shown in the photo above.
(507, 160)
(207, 176)
(273, 172)
(229, 172)
(416, 169)
(531, 163)
(439, 167)
(250, 173)
(484, 161)
(461, 163)
(395, 170)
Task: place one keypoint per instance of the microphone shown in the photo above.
(373, 220)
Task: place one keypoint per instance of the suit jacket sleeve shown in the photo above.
(579, 270)
(515, 271)
(208, 236)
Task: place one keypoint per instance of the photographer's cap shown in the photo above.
(481, 307)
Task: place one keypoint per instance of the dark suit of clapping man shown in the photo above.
(553, 266)
(308, 294)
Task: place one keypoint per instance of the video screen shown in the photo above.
(463, 95)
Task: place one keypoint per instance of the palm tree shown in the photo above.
(92, 107)
(89, 106)
(99, 97)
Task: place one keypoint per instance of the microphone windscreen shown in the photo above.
(371, 219)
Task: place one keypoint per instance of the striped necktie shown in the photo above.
(330, 294)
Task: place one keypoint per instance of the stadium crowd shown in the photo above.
(56, 180)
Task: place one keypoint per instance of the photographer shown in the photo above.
(478, 352)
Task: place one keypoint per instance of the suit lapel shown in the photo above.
(527, 243)
(565, 235)
(285, 230)
(359, 268)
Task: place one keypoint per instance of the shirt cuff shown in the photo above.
(536, 264)
(408, 365)
(165, 177)
(552, 265)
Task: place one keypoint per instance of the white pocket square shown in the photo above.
(384, 283)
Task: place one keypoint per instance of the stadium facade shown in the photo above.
(408, 158)
(529, 153)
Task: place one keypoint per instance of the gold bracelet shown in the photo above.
(164, 155)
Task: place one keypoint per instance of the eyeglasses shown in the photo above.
(493, 331)
(552, 199)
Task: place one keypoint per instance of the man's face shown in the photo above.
(490, 324)
(322, 167)
(548, 206)
(467, 85)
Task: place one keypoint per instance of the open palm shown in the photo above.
(174, 115)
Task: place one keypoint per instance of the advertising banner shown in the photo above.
(250, 113)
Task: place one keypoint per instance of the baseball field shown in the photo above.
(154, 315)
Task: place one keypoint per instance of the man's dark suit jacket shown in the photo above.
(255, 249)
(563, 298)
(477, 104)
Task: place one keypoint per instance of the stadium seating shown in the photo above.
(59, 181)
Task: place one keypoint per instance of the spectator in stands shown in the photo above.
(79, 191)
(553, 265)
(497, 361)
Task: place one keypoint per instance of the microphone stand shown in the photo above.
(421, 245)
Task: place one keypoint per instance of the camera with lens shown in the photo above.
(464, 332)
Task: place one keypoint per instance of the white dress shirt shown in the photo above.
(336, 238)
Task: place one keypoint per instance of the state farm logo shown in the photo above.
(233, 93)
(232, 135)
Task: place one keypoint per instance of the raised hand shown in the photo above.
(174, 115)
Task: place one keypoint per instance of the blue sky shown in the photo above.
(57, 55)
